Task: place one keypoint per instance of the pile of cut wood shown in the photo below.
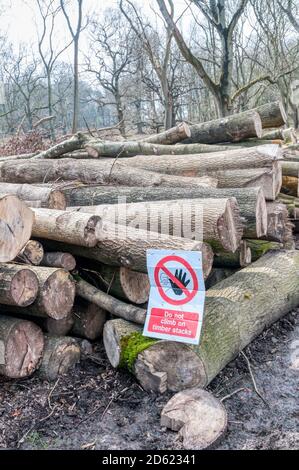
(77, 220)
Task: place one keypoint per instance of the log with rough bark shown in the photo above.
(228, 129)
(21, 347)
(43, 196)
(272, 114)
(239, 259)
(75, 228)
(286, 135)
(170, 136)
(59, 259)
(251, 201)
(215, 221)
(76, 142)
(32, 253)
(16, 221)
(236, 311)
(92, 171)
(290, 169)
(56, 294)
(109, 303)
(203, 164)
(60, 355)
(18, 285)
(124, 246)
(290, 185)
(106, 148)
(89, 320)
(261, 247)
(120, 282)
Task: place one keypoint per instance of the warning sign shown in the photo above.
(176, 302)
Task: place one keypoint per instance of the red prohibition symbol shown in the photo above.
(189, 294)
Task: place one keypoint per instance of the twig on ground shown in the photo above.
(253, 380)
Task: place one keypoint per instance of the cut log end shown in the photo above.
(57, 200)
(258, 125)
(23, 349)
(58, 294)
(245, 254)
(135, 285)
(32, 253)
(57, 259)
(61, 354)
(89, 320)
(261, 215)
(24, 288)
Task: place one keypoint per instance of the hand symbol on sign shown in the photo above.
(180, 276)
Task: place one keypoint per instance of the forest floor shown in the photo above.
(96, 407)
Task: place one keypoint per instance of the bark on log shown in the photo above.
(228, 129)
(58, 327)
(170, 136)
(21, 347)
(251, 201)
(272, 114)
(240, 259)
(75, 228)
(261, 247)
(16, 221)
(18, 285)
(290, 169)
(287, 135)
(109, 303)
(89, 172)
(45, 196)
(290, 185)
(32, 253)
(218, 275)
(76, 142)
(89, 320)
(202, 164)
(124, 246)
(120, 282)
(215, 221)
(236, 311)
(56, 294)
(58, 259)
(60, 355)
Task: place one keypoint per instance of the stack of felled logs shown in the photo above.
(98, 206)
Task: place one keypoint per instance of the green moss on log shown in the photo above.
(131, 346)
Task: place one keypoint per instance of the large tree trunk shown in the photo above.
(109, 303)
(56, 294)
(272, 114)
(60, 355)
(170, 136)
(124, 246)
(21, 347)
(18, 285)
(58, 259)
(251, 201)
(215, 221)
(228, 129)
(236, 311)
(122, 283)
(89, 320)
(44, 196)
(89, 172)
(75, 228)
(204, 164)
(32, 253)
(16, 221)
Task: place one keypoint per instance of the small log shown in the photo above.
(59, 259)
(32, 253)
(18, 285)
(58, 327)
(21, 347)
(170, 136)
(90, 172)
(76, 142)
(200, 418)
(16, 221)
(217, 275)
(278, 220)
(251, 201)
(272, 114)
(74, 228)
(89, 320)
(261, 247)
(286, 135)
(204, 164)
(60, 355)
(290, 169)
(239, 259)
(290, 185)
(45, 196)
(215, 221)
(55, 297)
(109, 303)
(236, 311)
(124, 246)
(228, 129)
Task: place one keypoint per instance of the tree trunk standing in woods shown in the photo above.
(75, 33)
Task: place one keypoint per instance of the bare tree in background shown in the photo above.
(289, 8)
(75, 33)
